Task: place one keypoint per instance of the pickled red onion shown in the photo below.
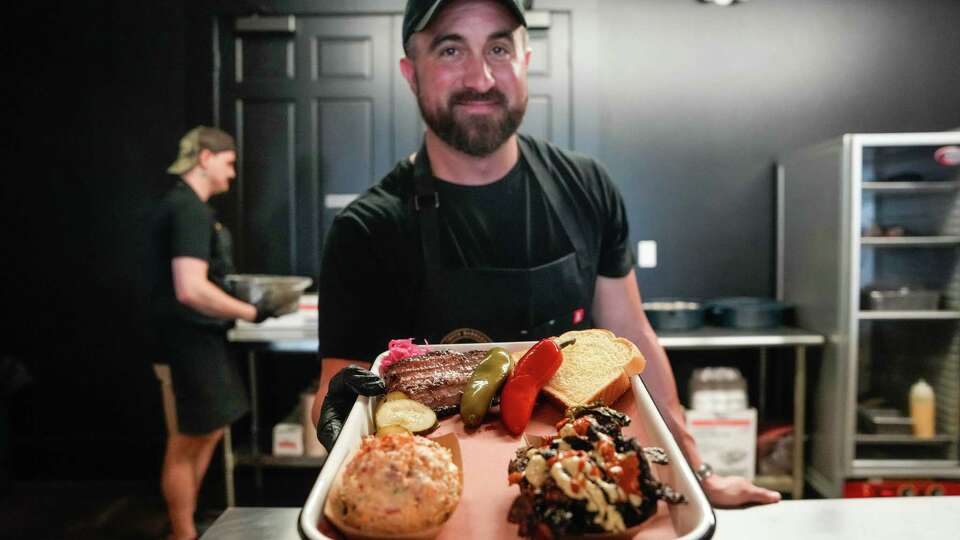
(398, 349)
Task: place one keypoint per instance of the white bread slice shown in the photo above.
(597, 367)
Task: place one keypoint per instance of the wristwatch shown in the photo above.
(704, 471)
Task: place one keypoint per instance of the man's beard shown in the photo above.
(474, 135)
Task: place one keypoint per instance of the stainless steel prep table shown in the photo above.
(892, 518)
(253, 339)
(711, 337)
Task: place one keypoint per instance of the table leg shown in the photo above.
(799, 420)
(255, 424)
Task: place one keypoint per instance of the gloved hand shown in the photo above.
(274, 304)
(343, 390)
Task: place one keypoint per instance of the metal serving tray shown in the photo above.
(488, 519)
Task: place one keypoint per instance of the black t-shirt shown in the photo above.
(479, 224)
(372, 267)
(182, 225)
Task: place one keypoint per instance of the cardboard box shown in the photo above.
(727, 441)
(287, 439)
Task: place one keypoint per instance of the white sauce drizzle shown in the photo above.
(536, 471)
(563, 472)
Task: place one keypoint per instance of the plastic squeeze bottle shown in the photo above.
(922, 409)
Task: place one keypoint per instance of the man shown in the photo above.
(201, 384)
(484, 235)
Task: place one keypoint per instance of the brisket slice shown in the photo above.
(435, 379)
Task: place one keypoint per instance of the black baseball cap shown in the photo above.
(419, 13)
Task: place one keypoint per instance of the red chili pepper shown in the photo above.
(532, 372)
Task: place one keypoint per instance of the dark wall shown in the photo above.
(98, 103)
(697, 101)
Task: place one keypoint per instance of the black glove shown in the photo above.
(343, 390)
(273, 304)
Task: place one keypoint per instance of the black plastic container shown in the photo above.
(746, 312)
(674, 314)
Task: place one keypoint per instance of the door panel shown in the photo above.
(537, 121)
(349, 91)
(312, 112)
(264, 57)
(548, 109)
(346, 57)
(346, 144)
(269, 189)
(408, 127)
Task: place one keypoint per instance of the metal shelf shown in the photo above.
(909, 241)
(710, 337)
(911, 187)
(898, 315)
(883, 439)
(889, 468)
(823, 259)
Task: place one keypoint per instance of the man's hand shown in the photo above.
(273, 304)
(344, 387)
(733, 491)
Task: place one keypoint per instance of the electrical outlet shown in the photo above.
(647, 253)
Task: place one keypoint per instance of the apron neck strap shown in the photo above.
(546, 174)
(424, 186)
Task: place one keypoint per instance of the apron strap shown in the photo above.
(426, 205)
(546, 174)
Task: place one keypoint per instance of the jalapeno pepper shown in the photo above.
(532, 372)
(484, 383)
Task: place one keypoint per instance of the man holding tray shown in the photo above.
(484, 234)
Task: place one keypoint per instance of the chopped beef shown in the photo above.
(589, 453)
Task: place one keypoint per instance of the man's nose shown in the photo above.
(478, 75)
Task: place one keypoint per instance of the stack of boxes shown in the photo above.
(719, 419)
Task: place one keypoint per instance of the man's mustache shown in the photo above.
(470, 96)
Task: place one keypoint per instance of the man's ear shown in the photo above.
(409, 72)
(526, 57)
(204, 156)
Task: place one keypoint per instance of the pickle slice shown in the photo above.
(392, 430)
(412, 415)
(394, 395)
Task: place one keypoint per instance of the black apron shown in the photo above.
(462, 305)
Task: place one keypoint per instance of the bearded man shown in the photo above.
(484, 234)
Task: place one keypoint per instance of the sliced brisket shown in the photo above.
(435, 379)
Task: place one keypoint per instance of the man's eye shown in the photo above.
(449, 51)
(499, 51)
